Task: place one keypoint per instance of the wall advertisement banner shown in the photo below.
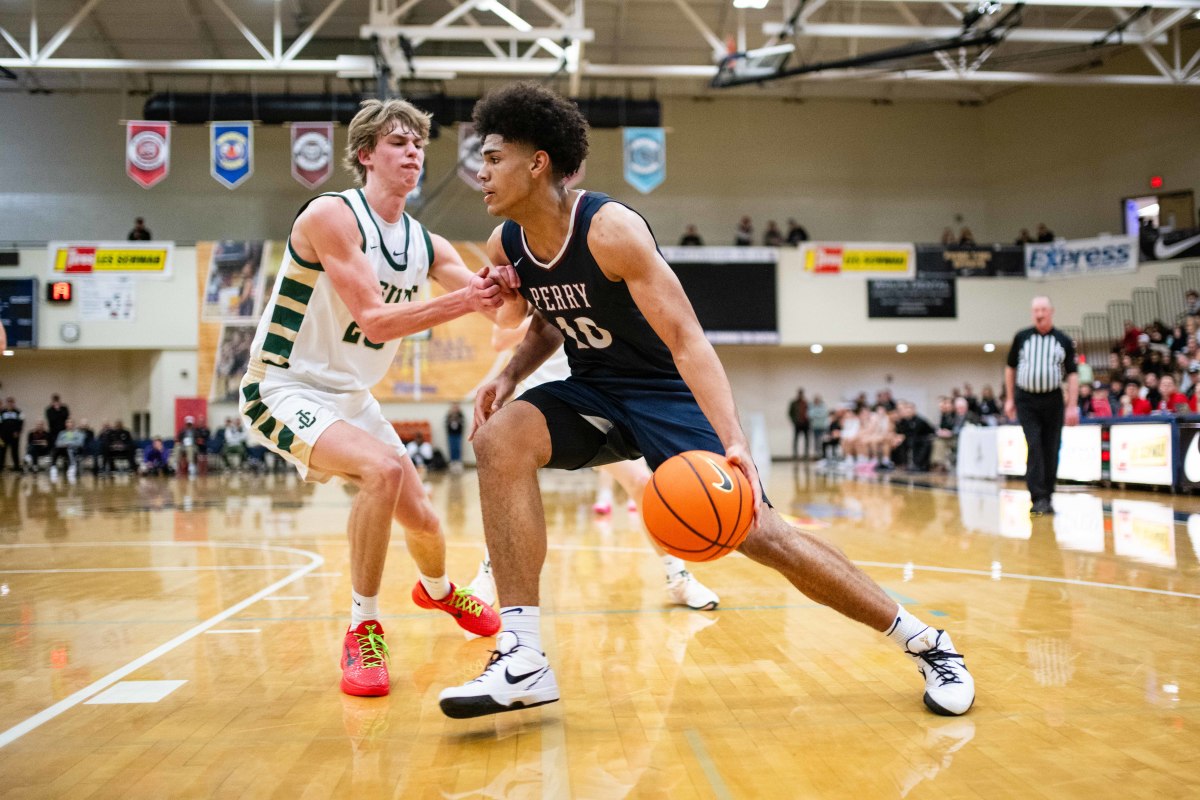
(923, 298)
(1141, 454)
(888, 259)
(1079, 454)
(987, 261)
(149, 259)
(1075, 257)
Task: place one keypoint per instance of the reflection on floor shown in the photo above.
(206, 614)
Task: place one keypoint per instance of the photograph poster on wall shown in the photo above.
(920, 298)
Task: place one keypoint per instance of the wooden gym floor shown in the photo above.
(176, 638)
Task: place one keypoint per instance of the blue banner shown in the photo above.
(645, 158)
(231, 149)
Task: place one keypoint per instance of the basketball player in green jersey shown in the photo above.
(644, 382)
(346, 293)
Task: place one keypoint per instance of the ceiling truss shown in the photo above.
(445, 40)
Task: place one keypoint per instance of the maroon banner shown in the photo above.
(147, 151)
(312, 152)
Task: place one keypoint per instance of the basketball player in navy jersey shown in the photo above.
(644, 381)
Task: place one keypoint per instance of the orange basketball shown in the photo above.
(698, 506)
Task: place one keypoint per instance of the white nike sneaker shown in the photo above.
(949, 687)
(516, 677)
(483, 586)
(685, 590)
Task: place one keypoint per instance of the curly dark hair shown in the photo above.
(532, 114)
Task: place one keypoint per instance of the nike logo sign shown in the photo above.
(356, 602)
(726, 483)
(513, 611)
(508, 676)
(396, 255)
(373, 247)
(1166, 251)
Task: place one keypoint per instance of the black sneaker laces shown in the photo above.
(942, 664)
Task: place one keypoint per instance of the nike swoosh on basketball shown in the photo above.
(726, 483)
(1163, 251)
(508, 676)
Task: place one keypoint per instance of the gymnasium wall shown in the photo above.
(846, 169)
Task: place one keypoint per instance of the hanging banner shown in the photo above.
(312, 152)
(469, 159)
(861, 258)
(645, 158)
(1065, 259)
(231, 148)
(147, 151)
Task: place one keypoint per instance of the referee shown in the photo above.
(1040, 358)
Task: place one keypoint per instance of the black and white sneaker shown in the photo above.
(949, 687)
(516, 677)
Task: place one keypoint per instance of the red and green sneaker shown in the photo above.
(364, 661)
(471, 613)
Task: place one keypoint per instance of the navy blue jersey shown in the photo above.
(605, 333)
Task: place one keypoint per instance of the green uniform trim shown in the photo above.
(277, 345)
(309, 264)
(428, 244)
(287, 318)
(387, 251)
(295, 290)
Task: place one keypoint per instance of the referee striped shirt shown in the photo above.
(1042, 360)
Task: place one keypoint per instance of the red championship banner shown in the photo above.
(147, 151)
(312, 152)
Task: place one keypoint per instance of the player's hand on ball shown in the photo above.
(739, 456)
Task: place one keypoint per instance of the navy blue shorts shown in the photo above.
(628, 419)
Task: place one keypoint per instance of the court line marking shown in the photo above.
(20, 729)
(706, 764)
(233, 630)
(145, 569)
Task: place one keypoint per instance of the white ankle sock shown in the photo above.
(525, 622)
(905, 627)
(438, 587)
(673, 565)
(363, 608)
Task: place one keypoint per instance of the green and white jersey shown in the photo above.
(307, 330)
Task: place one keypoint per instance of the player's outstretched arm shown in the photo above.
(624, 248)
(326, 232)
(452, 274)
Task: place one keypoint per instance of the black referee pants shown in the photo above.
(1041, 417)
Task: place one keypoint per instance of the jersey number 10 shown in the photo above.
(594, 335)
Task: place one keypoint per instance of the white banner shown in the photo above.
(1141, 454)
(1078, 452)
(1071, 258)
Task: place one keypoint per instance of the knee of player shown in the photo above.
(493, 442)
(384, 475)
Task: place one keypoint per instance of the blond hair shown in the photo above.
(376, 119)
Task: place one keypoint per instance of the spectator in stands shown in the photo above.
(818, 422)
(12, 421)
(691, 238)
(189, 445)
(68, 446)
(947, 433)
(916, 439)
(1129, 342)
(1150, 392)
(966, 238)
(91, 446)
(833, 438)
(795, 233)
(1086, 407)
(1174, 401)
(1132, 404)
(420, 451)
(1100, 404)
(140, 232)
(968, 391)
(233, 442)
(1116, 390)
(37, 445)
(744, 235)
(989, 407)
(1023, 237)
(1191, 379)
(56, 417)
(1192, 300)
(884, 398)
(117, 444)
(1044, 234)
(948, 238)
(1177, 341)
(455, 425)
(1083, 368)
(798, 415)
(154, 459)
(773, 237)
